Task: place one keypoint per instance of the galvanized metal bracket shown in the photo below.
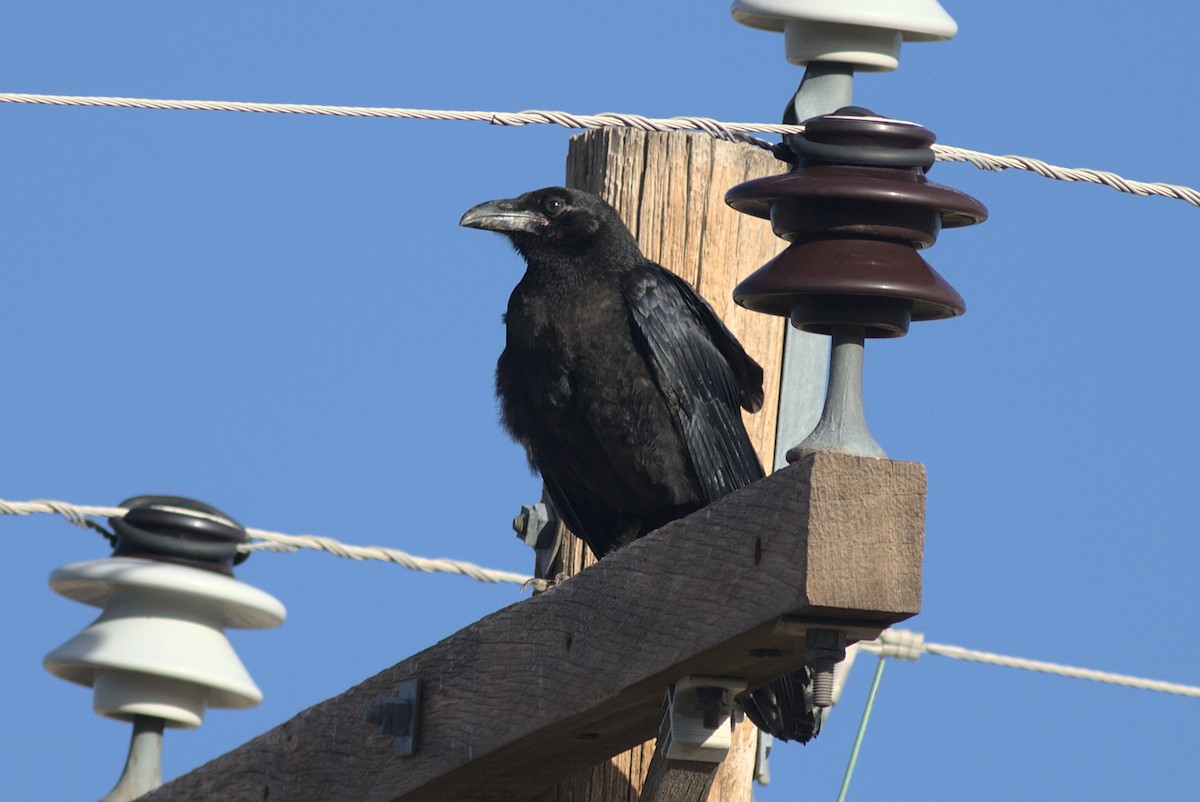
(398, 716)
(700, 715)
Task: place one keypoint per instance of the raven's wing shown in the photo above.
(705, 374)
(702, 371)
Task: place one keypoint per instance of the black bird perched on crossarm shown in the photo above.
(624, 387)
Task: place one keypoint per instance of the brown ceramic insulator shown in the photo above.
(842, 200)
(854, 226)
(873, 283)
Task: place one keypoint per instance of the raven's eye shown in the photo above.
(555, 205)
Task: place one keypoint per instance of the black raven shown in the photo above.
(623, 386)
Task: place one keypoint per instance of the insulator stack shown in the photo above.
(856, 208)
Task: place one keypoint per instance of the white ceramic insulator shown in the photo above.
(865, 33)
(159, 648)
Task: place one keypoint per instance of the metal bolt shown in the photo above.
(536, 525)
(826, 648)
(398, 716)
(392, 714)
(822, 682)
(713, 702)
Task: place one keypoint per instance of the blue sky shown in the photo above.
(280, 316)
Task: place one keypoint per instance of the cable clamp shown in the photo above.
(903, 644)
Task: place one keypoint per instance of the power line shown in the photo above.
(724, 130)
(908, 645)
(533, 117)
(277, 541)
(897, 643)
(986, 161)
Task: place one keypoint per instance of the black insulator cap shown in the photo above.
(178, 530)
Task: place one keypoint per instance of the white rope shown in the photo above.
(907, 645)
(276, 541)
(723, 130)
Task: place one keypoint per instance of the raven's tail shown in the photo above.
(785, 708)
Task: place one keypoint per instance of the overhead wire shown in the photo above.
(733, 131)
(895, 643)
(905, 644)
(277, 541)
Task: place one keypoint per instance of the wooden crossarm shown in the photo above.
(553, 684)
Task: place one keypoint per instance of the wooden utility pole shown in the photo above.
(669, 188)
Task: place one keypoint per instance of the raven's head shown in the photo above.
(554, 219)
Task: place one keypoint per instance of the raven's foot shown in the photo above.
(541, 585)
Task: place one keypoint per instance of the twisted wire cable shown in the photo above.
(907, 645)
(738, 132)
(277, 541)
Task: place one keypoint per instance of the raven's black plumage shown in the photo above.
(623, 386)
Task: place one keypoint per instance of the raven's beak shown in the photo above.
(502, 215)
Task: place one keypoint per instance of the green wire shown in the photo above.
(862, 728)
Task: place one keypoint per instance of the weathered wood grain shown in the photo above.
(554, 684)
